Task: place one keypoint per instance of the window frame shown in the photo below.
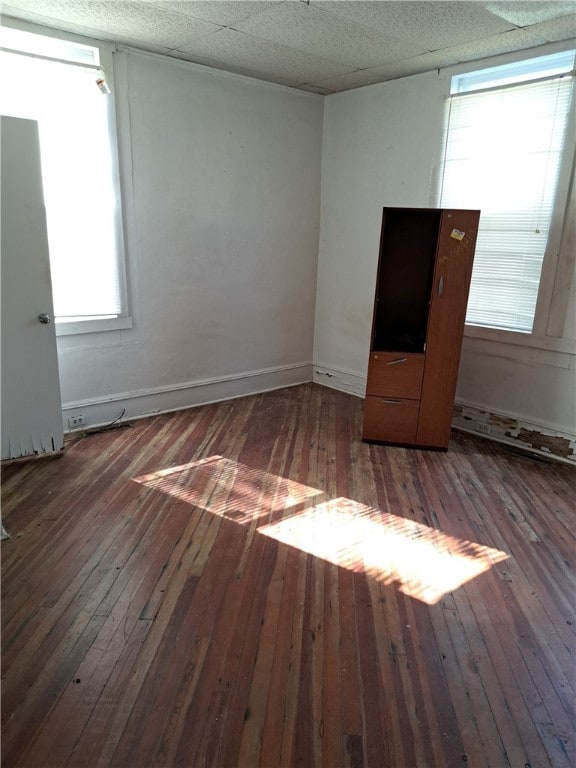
(122, 321)
(554, 260)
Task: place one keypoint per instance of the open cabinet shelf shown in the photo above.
(424, 271)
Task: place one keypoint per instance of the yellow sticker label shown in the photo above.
(457, 234)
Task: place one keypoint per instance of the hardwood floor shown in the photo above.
(248, 584)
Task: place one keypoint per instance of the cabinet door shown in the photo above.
(450, 286)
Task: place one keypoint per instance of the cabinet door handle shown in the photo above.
(392, 402)
(440, 285)
(395, 362)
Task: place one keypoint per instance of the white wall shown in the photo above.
(222, 183)
(222, 189)
(381, 147)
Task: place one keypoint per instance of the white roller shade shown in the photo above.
(56, 83)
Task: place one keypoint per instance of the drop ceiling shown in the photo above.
(324, 46)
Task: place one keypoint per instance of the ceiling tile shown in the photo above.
(346, 82)
(223, 12)
(309, 29)
(508, 42)
(432, 25)
(241, 70)
(427, 62)
(563, 28)
(25, 11)
(35, 6)
(241, 52)
(120, 21)
(320, 45)
(526, 12)
(314, 89)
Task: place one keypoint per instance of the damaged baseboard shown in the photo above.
(516, 432)
(340, 379)
(519, 433)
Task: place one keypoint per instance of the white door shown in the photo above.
(31, 404)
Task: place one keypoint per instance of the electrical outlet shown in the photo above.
(482, 428)
(77, 421)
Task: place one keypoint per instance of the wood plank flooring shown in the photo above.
(247, 584)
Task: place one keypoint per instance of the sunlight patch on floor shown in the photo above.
(420, 561)
(230, 489)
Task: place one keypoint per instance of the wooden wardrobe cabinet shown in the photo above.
(424, 272)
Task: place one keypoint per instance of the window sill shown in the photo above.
(520, 339)
(92, 325)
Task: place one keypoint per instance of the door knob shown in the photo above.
(44, 318)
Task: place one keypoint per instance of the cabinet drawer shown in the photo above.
(394, 374)
(390, 420)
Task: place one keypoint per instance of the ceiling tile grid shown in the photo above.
(411, 66)
(308, 29)
(243, 51)
(508, 42)
(523, 13)
(556, 30)
(119, 21)
(243, 70)
(322, 46)
(226, 13)
(433, 25)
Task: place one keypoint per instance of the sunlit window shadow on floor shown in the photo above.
(423, 562)
(230, 489)
(420, 561)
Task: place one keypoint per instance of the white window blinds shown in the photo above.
(502, 155)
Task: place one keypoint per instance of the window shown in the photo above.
(63, 85)
(503, 154)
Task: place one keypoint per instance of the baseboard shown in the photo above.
(544, 440)
(148, 402)
(340, 379)
(541, 439)
(472, 418)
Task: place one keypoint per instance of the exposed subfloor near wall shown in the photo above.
(248, 584)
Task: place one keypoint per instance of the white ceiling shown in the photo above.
(323, 46)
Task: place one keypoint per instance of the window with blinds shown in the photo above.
(503, 151)
(61, 85)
